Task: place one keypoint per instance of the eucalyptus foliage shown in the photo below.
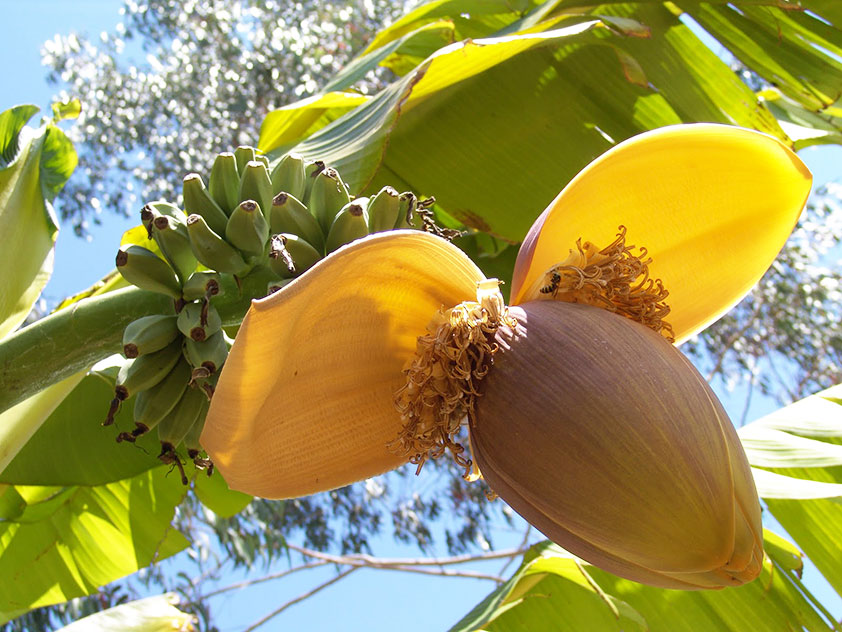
(177, 82)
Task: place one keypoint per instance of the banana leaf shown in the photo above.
(554, 590)
(34, 165)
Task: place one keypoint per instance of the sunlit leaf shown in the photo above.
(153, 614)
(552, 586)
(35, 165)
(69, 541)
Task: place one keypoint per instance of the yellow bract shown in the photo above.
(712, 204)
(305, 402)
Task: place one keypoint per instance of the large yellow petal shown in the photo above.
(305, 400)
(713, 205)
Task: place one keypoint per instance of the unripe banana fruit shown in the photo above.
(212, 250)
(289, 215)
(224, 182)
(350, 223)
(202, 285)
(171, 236)
(149, 334)
(247, 228)
(147, 370)
(152, 405)
(289, 176)
(291, 256)
(384, 210)
(198, 321)
(244, 155)
(207, 356)
(146, 270)
(256, 184)
(198, 201)
(328, 195)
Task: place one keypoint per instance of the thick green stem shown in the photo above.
(78, 336)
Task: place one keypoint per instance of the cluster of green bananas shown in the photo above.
(247, 217)
(313, 214)
(173, 359)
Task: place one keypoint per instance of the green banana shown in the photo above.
(289, 215)
(149, 334)
(244, 155)
(311, 172)
(177, 423)
(256, 184)
(158, 208)
(383, 210)
(147, 370)
(406, 216)
(198, 201)
(152, 405)
(194, 448)
(263, 159)
(247, 228)
(224, 182)
(350, 223)
(290, 255)
(208, 356)
(289, 176)
(327, 196)
(198, 321)
(171, 237)
(201, 285)
(212, 250)
(146, 270)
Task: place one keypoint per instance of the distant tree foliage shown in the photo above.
(178, 82)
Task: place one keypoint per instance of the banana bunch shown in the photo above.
(249, 216)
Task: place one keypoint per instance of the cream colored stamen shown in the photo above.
(442, 380)
(612, 278)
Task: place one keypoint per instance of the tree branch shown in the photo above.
(300, 597)
(384, 562)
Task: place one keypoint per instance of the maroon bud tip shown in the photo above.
(130, 350)
(355, 209)
(198, 334)
(280, 199)
(122, 258)
(249, 206)
(161, 222)
(210, 366)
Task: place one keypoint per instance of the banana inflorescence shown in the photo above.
(278, 220)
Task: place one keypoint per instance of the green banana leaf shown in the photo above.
(60, 452)
(57, 543)
(799, 446)
(34, 165)
(457, 126)
(153, 614)
(554, 590)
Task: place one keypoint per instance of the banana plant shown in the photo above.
(495, 108)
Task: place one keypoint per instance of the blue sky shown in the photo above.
(367, 600)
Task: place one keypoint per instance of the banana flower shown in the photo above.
(582, 414)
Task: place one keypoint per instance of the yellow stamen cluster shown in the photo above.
(612, 278)
(442, 380)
